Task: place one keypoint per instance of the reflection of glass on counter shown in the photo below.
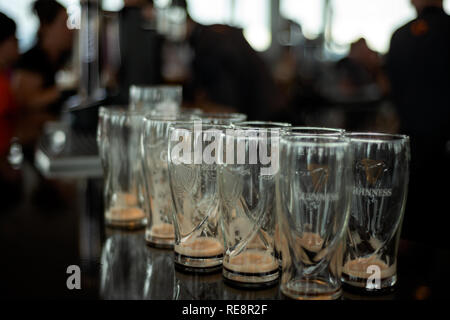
(348, 295)
(159, 276)
(124, 265)
(198, 287)
(234, 293)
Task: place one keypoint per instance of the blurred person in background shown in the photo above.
(362, 81)
(361, 73)
(227, 74)
(140, 47)
(8, 56)
(419, 70)
(34, 80)
(9, 178)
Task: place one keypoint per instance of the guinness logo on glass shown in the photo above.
(319, 176)
(373, 169)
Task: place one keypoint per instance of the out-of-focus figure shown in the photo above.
(9, 178)
(419, 70)
(226, 72)
(8, 56)
(140, 47)
(34, 80)
(361, 73)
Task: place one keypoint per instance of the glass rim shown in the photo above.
(246, 132)
(183, 125)
(326, 131)
(121, 110)
(261, 125)
(315, 140)
(147, 88)
(167, 117)
(182, 112)
(376, 137)
(222, 115)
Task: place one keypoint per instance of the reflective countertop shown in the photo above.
(59, 223)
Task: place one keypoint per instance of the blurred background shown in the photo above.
(360, 65)
(322, 62)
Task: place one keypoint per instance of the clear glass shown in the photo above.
(247, 193)
(155, 139)
(315, 190)
(118, 139)
(194, 151)
(102, 134)
(222, 118)
(165, 99)
(302, 131)
(381, 174)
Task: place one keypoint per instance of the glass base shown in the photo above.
(198, 264)
(126, 224)
(250, 280)
(163, 243)
(354, 293)
(310, 290)
(361, 285)
(159, 243)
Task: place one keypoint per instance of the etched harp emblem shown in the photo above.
(373, 169)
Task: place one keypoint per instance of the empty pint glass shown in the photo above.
(381, 172)
(315, 188)
(247, 190)
(194, 152)
(301, 131)
(160, 210)
(118, 137)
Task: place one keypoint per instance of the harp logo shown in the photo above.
(373, 172)
(318, 175)
(373, 169)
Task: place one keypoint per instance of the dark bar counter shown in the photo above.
(58, 222)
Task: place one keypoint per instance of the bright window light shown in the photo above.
(254, 17)
(375, 21)
(308, 13)
(251, 15)
(112, 5)
(210, 12)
